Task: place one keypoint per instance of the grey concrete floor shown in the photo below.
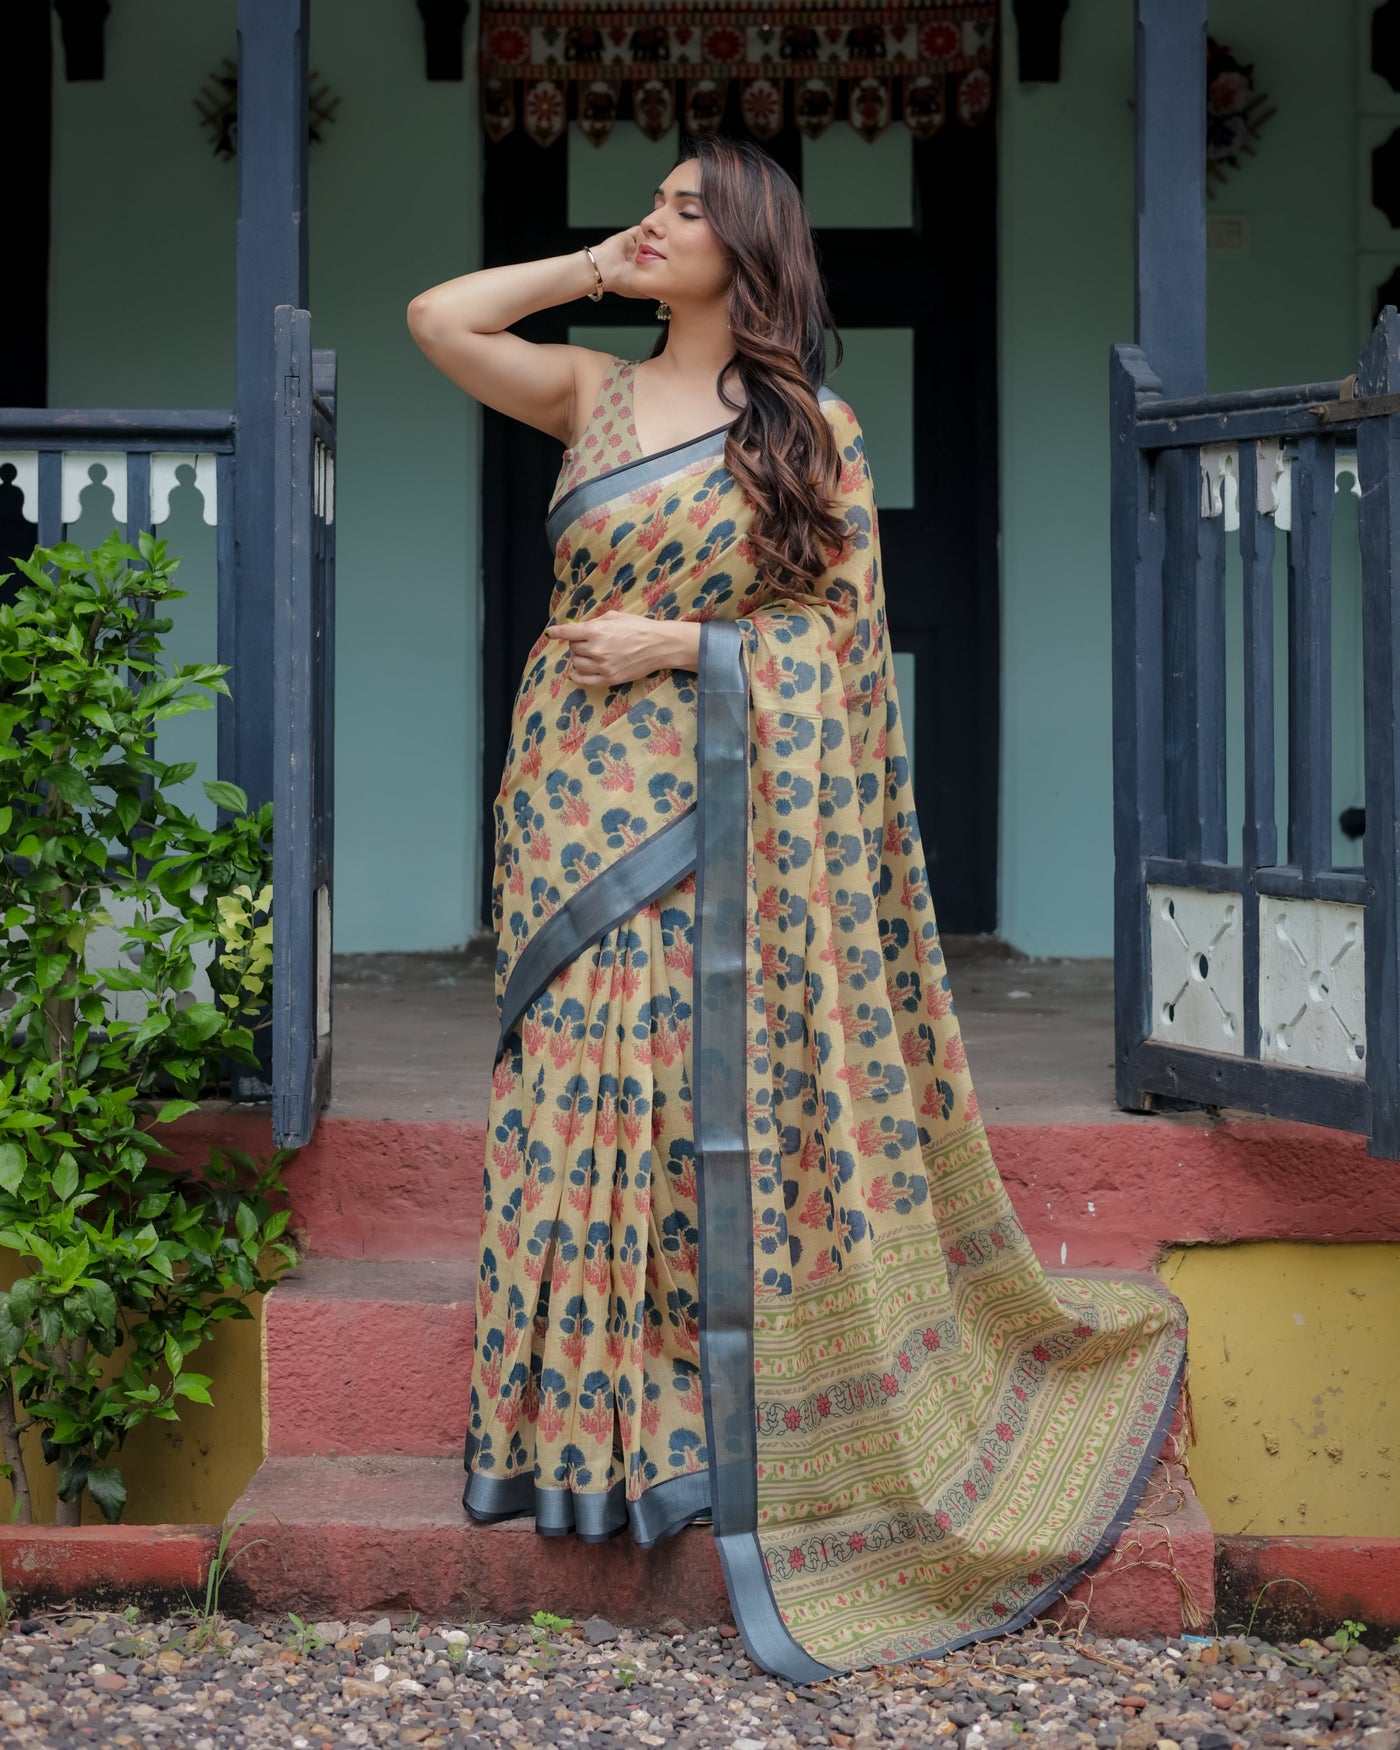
(414, 1034)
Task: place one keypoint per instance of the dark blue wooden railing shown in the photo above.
(1269, 983)
(303, 727)
(289, 680)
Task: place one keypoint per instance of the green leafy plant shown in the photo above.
(114, 901)
(1349, 1635)
(304, 1638)
(1247, 1628)
(543, 1625)
(626, 1671)
(208, 1616)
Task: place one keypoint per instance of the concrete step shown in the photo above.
(363, 1356)
(328, 1537)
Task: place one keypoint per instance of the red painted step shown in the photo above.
(1111, 1194)
(331, 1537)
(366, 1356)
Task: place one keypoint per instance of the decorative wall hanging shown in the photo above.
(1236, 110)
(217, 104)
(789, 63)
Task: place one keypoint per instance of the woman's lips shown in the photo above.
(647, 253)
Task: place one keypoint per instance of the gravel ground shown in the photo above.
(67, 1679)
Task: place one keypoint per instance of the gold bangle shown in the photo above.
(597, 291)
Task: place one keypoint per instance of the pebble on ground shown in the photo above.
(68, 1678)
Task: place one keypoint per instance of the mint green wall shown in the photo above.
(141, 314)
(1282, 311)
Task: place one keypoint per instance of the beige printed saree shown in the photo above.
(745, 1251)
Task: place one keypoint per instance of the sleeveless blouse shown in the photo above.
(609, 440)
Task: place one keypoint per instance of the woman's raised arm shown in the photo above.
(463, 327)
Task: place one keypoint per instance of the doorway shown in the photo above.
(906, 231)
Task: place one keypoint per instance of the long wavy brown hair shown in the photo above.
(780, 448)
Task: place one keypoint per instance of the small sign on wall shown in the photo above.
(1227, 232)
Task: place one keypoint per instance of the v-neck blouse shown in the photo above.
(609, 440)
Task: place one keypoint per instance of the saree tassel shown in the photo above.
(1192, 1616)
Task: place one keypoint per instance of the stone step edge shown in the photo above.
(338, 1536)
(397, 1189)
(385, 1370)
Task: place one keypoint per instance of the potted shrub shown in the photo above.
(135, 952)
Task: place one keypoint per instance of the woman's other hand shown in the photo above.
(613, 648)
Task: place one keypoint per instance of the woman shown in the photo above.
(745, 1251)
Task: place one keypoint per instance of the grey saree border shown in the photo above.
(645, 471)
(633, 881)
(662, 1510)
(720, 1104)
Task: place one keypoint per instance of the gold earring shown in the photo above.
(663, 312)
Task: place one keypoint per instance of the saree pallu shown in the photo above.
(745, 1246)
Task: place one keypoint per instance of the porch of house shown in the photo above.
(367, 1345)
(414, 1034)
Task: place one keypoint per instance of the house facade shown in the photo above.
(982, 276)
(1020, 232)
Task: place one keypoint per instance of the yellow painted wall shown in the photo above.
(1294, 1377)
(188, 1472)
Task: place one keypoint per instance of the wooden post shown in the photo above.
(1139, 829)
(271, 270)
(1170, 297)
(1378, 446)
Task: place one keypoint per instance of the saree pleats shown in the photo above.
(745, 1245)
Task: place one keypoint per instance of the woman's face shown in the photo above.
(679, 257)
